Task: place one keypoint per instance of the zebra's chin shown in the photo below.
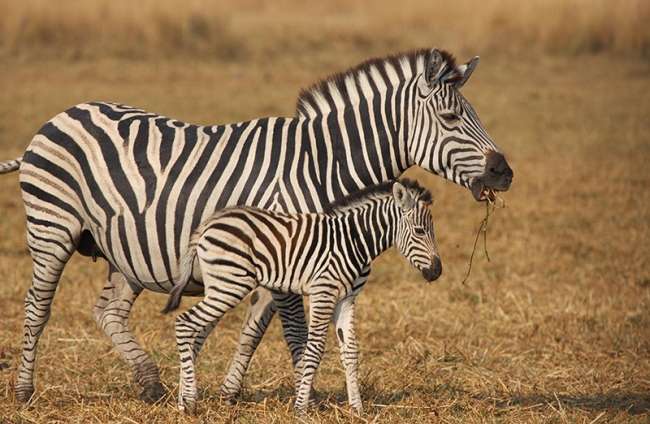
(483, 193)
(497, 177)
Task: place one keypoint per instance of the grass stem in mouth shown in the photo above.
(492, 202)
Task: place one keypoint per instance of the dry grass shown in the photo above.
(553, 329)
(227, 30)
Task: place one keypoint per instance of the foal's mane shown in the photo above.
(358, 198)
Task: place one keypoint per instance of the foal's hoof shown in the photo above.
(187, 406)
(152, 393)
(227, 397)
(24, 393)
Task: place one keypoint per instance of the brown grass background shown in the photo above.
(555, 328)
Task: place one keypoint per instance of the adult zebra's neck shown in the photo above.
(369, 107)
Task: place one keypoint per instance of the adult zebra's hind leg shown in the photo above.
(111, 313)
(51, 245)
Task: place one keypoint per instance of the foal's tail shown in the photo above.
(176, 293)
(10, 165)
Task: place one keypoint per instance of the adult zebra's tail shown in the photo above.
(10, 165)
(176, 292)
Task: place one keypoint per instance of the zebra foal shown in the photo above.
(325, 256)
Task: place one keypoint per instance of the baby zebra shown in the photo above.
(321, 255)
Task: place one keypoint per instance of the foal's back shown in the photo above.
(281, 251)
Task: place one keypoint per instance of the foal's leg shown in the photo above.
(263, 307)
(257, 320)
(221, 295)
(320, 313)
(348, 345)
(344, 324)
(111, 314)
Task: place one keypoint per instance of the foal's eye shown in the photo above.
(419, 231)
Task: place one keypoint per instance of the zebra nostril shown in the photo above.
(434, 271)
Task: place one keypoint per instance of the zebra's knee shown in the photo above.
(186, 328)
(146, 372)
(98, 312)
(101, 303)
(37, 309)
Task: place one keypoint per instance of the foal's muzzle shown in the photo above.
(433, 272)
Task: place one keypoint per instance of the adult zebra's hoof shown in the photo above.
(152, 393)
(24, 393)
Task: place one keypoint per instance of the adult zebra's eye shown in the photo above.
(450, 116)
(419, 231)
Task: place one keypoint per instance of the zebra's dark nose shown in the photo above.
(497, 169)
(434, 271)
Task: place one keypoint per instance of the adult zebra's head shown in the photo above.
(414, 236)
(403, 110)
(446, 135)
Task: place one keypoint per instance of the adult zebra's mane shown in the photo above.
(310, 97)
(360, 197)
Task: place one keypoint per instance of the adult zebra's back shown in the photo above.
(118, 182)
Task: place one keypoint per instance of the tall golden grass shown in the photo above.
(223, 30)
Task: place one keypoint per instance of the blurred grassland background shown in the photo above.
(222, 29)
(555, 328)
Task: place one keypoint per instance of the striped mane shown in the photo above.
(406, 65)
(359, 198)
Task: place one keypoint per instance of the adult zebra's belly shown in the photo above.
(193, 288)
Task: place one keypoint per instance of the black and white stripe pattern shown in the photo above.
(130, 186)
(324, 256)
(10, 165)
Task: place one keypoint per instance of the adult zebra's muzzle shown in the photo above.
(434, 271)
(496, 177)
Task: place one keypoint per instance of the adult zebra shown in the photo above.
(127, 185)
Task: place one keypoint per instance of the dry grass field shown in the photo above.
(554, 328)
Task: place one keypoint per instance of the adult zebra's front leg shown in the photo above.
(263, 307)
(111, 313)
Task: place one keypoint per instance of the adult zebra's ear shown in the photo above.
(464, 72)
(441, 68)
(403, 197)
(434, 68)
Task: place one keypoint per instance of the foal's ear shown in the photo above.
(403, 197)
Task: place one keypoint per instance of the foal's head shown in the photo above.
(415, 238)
